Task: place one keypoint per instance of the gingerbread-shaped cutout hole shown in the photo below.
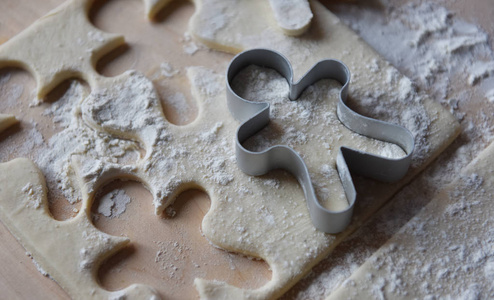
(166, 252)
(162, 50)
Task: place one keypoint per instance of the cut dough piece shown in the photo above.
(293, 16)
(446, 251)
(69, 251)
(7, 121)
(54, 53)
(152, 7)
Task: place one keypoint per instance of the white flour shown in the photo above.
(55, 159)
(113, 204)
(291, 14)
(9, 93)
(165, 69)
(189, 46)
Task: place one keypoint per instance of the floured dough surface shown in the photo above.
(264, 217)
(445, 251)
(56, 53)
(68, 251)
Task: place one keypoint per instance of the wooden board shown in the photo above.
(182, 245)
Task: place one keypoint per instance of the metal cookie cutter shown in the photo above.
(255, 115)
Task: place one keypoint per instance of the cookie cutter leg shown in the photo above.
(255, 115)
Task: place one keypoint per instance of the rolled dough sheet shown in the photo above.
(54, 53)
(446, 251)
(373, 79)
(74, 246)
(286, 240)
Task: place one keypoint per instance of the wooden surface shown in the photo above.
(187, 254)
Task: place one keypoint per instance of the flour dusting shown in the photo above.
(113, 204)
(56, 158)
(292, 15)
(11, 93)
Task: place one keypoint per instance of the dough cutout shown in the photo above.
(127, 106)
(68, 250)
(293, 16)
(72, 50)
(6, 121)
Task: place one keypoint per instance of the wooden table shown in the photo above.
(149, 44)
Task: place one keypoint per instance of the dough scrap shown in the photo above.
(447, 250)
(53, 53)
(152, 7)
(287, 241)
(293, 16)
(70, 251)
(7, 121)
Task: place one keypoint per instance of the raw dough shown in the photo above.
(152, 7)
(69, 251)
(53, 53)
(6, 121)
(386, 92)
(293, 16)
(80, 45)
(446, 251)
(179, 157)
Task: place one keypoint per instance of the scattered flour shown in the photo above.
(215, 20)
(9, 94)
(190, 47)
(179, 103)
(55, 159)
(165, 70)
(34, 140)
(113, 204)
(292, 15)
(35, 195)
(425, 41)
(490, 95)
(480, 71)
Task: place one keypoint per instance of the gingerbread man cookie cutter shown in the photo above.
(255, 115)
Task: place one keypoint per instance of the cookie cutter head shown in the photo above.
(255, 115)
